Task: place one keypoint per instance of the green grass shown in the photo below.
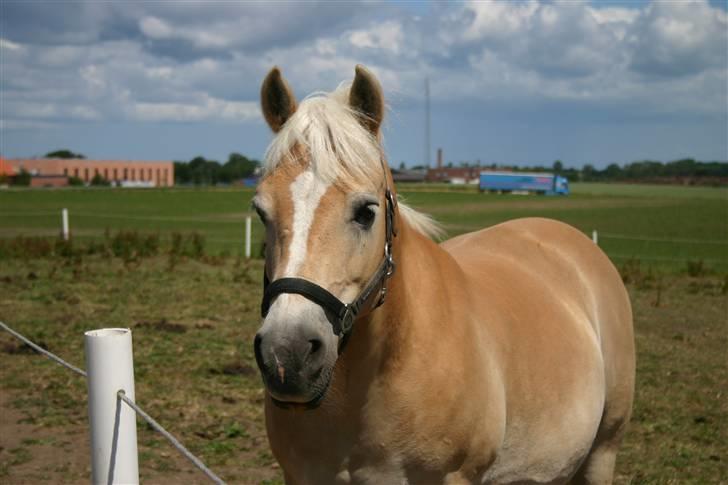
(666, 226)
(195, 371)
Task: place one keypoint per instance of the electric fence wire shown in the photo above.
(121, 395)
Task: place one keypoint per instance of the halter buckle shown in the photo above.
(347, 319)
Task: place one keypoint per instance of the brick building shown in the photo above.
(453, 175)
(56, 171)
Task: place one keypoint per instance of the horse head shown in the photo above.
(327, 205)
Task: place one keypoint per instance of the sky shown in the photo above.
(516, 82)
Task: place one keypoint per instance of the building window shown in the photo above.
(141, 174)
(65, 172)
(115, 175)
(85, 174)
(106, 173)
(75, 172)
(159, 180)
(133, 174)
(149, 173)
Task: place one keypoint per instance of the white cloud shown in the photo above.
(207, 108)
(680, 38)
(194, 62)
(387, 35)
(497, 19)
(11, 46)
(85, 113)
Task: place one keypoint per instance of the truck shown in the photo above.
(524, 182)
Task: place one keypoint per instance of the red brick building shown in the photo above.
(458, 175)
(56, 171)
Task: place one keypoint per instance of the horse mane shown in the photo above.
(340, 147)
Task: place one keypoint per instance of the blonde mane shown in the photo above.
(340, 147)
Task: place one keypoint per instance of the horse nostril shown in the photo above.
(315, 346)
(256, 349)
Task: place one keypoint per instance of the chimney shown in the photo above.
(439, 158)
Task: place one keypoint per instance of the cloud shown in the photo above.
(673, 39)
(205, 109)
(191, 62)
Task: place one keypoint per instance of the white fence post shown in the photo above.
(110, 368)
(248, 224)
(595, 237)
(64, 217)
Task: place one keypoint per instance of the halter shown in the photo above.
(344, 313)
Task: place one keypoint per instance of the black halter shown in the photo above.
(344, 313)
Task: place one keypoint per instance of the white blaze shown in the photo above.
(306, 192)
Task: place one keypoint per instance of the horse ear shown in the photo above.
(276, 100)
(366, 97)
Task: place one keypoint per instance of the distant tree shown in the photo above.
(237, 167)
(612, 172)
(201, 171)
(181, 173)
(22, 179)
(75, 181)
(402, 166)
(100, 181)
(588, 173)
(558, 167)
(63, 153)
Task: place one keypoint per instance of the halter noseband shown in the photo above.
(344, 313)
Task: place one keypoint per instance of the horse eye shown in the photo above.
(364, 216)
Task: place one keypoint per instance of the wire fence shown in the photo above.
(122, 396)
(648, 248)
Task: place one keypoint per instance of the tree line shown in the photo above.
(201, 171)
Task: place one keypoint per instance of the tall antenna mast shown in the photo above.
(427, 122)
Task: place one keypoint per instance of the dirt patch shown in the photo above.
(162, 325)
(32, 454)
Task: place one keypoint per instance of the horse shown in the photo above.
(499, 356)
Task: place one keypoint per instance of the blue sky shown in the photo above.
(519, 82)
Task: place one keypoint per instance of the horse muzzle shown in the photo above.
(294, 364)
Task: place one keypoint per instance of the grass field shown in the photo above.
(663, 226)
(193, 323)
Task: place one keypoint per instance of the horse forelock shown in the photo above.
(327, 136)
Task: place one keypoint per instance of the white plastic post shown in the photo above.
(595, 237)
(110, 367)
(248, 226)
(64, 217)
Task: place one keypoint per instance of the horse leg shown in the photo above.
(598, 468)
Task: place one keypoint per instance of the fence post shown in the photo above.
(248, 224)
(595, 237)
(110, 367)
(64, 217)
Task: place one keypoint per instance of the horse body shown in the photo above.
(500, 356)
(488, 370)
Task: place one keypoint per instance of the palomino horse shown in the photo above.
(500, 356)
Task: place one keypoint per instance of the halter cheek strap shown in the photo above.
(344, 314)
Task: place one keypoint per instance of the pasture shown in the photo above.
(193, 323)
(662, 226)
